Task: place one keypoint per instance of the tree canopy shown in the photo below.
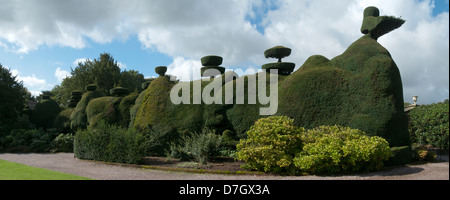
(103, 72)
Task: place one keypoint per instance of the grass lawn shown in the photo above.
(16, 171)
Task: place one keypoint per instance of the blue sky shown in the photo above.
(41, 43)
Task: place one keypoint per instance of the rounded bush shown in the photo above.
(271, 145)
(277, 52)
(205, 72)
(284, 68)
(119, 91)
(211, 60)
(337, 149)
(91, 87)
(161, 70)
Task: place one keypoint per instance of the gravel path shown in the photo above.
(65, 162)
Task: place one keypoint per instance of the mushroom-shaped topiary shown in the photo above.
(161, 70)
(91, 87)
(211, 66)
(279, 52)
(119, 91)
(75, 98)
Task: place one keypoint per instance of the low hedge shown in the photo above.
(109, 143)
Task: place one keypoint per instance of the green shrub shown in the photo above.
(45, 113)
(284, 68)
(62, 121)
(271, 145)
(198, 146)
(422, 153)
(400, 156)
(62, 143)
(429, 125)
(109, 143)
(336, 149)
(33, 140)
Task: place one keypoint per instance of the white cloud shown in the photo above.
(79, 60)
(184, 69)
(61, 74)
(34, 84)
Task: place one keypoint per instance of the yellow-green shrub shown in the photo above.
(271, 145)
(337, 149)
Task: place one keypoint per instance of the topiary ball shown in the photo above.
(284, 68)
(119, 91)
(91, 87)
(277, 52)
(161, 70)
(212, 60)
(205, 72)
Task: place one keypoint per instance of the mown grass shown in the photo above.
(16, 171)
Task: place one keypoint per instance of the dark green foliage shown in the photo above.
(13, 100)
(277, 52)
(400, 156)
(284, 68)
(361, 89)
(45, 113)
(211, 71)
(109, 143)
(161, 70)
(62, 121)
(78, 118)
(429, 125)
(62, 143)
(104, 72)
(119, 91)
(24, 140)
(74, 99)
(91, 87)
(113, 110)
(211, 60)
(376, 26)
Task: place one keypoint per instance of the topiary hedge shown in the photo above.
(429, 125)
(109, 143)
(161, 70)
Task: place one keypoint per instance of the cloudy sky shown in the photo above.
(40, 41)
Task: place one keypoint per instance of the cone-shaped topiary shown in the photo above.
(211, 66)
(161, 70)
(119, 91)
(284, 68)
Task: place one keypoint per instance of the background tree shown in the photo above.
(12, 100)
(103, 72)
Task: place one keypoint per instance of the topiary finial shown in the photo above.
(376, 26)
(161, 70)
(211, 66)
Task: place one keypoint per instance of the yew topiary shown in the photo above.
(91, 87)
(211, 66)
(161, 70)
(119, 91)
(279, 52)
